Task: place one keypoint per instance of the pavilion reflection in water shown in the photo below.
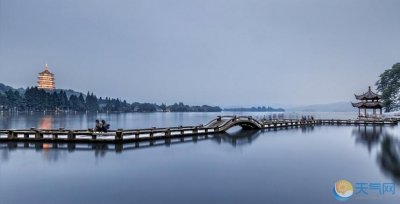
(369, 136)
(388, 156)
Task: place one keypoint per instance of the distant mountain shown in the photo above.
(4, 88)
(35, 99)
(69, 92)
(330, 107)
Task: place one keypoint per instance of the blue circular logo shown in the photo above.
(343, 190)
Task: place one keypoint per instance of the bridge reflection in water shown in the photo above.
(388, 145)
(51, 149)
(238, 138)
(371, 137)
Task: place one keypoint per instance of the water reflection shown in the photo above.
(388, 157)
(100, 150)
(307, 129)
(46, 122)
(242, 137)
(371, 137)
(55, 151)
(368, 136)
(4, 155)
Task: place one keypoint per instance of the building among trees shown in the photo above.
(46, 79)
(34, 99)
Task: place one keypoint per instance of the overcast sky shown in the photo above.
(214, 52)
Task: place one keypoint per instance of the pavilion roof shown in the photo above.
(369, 95)
(374, 104)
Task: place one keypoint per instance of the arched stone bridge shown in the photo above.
(223, 123)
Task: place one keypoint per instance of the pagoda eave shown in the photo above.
(361, 97)
(369, 95)
(373, 105)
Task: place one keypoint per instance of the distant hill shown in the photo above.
(34, 99)
(330, 107)
(4, 88)
(69, 92)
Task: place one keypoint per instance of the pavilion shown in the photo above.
(368, 100)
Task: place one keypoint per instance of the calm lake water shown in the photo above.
(294, 165)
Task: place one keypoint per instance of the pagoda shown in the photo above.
(46, 79)
(368, 100)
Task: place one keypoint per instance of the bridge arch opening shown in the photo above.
(246, 125)
(234, 129)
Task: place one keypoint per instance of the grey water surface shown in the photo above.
(291, 165)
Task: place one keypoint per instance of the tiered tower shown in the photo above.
(46, 79)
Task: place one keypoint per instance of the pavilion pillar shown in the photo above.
(380, 110)
(359, 112)
(365, 112)
(374, 111)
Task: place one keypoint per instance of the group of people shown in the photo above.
(308, 117)
(101, 126)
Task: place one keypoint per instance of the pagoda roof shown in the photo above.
(46, 72)
(374, 104)
(369, 95)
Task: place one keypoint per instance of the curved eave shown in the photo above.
(46, 72)
(362, 97)
(369, 95)
(367, 105)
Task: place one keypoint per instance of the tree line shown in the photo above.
(34, 99)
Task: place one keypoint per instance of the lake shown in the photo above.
(292, 165)
(138, 120)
